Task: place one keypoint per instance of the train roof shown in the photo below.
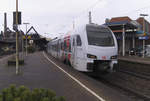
(82, 26)
(79, 29)
(96, 25)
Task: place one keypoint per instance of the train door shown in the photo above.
(58, 46)
(78, 52)
(73, 62)
(62, 51)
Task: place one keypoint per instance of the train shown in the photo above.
(87, 48)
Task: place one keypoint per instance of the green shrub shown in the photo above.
(31, 49)
(24, 94)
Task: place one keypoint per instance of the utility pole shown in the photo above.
(17, 52)
(26, 38)
(22, 44)
(143, 39)
(143, 33)
(123, 39)
(90, 17)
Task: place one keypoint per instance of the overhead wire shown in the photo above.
(137, 10)
(82, 12)
(95, 4)
(90, 7)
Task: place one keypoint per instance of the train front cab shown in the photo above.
(102, 49)
(89, 54)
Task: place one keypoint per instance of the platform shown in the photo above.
(39, 72)
(136, 59)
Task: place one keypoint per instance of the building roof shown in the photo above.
(140, 20)
(119, 19)
(118, 23)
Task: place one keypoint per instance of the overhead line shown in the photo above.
(137, 9)
(87, 9)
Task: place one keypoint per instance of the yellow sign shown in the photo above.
(29, 37)
(144, 34)
(24, 37)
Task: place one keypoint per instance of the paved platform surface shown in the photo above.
(137, 59)
(38, 72)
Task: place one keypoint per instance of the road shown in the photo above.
(43, 71)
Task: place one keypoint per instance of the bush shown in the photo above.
(24, 94)
(31, 49)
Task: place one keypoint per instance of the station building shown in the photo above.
(129, 33)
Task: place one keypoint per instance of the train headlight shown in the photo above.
(91, 56)
(114, 57)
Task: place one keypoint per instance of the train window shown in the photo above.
(65, 45)
(62, 46)
(57, 47)
(79, 43)
(73, 42)
(69, 46)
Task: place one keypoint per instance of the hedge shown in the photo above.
(24, 94)
(31, 49)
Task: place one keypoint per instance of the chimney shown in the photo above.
(90, 17)
(5, 23)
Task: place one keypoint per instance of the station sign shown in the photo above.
(143, 38)
(19, 18)
(29, 37)
(31, 41)
(119, 38)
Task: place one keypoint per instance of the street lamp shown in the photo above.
(26, 37)
(143, 33)
(17, 52)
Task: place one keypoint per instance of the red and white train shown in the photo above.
(87, 48)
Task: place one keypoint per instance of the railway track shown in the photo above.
(127, 91)
(142, 75)
(118, 85)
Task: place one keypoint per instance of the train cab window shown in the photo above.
(79, 43)
(99, 36)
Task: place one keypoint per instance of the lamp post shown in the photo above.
(143, 33)
(17, 53)
(26, 37)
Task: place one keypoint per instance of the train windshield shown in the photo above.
(99, 36)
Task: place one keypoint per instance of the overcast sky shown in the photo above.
(50, 17)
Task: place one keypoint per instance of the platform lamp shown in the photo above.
(17, 52)
(143, 15)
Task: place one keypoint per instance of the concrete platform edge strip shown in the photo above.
(81, 84)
